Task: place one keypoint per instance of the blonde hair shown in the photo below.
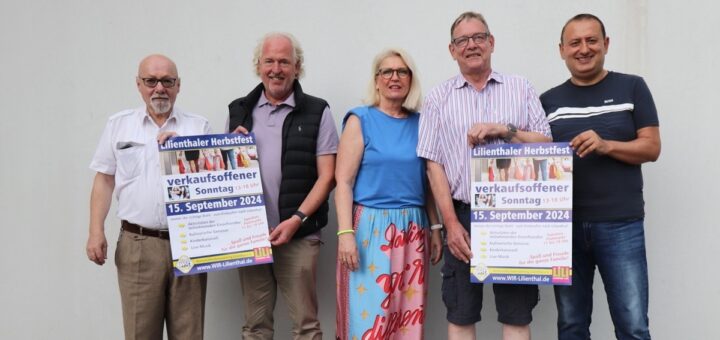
(298, 54)
(413, 100)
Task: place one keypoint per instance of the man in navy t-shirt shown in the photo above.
(611, 122)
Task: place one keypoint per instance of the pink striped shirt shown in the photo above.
(451, 108)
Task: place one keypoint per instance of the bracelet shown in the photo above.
(346, 231)
(436, 226)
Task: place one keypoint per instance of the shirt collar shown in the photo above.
(289, 101)
(460, 81)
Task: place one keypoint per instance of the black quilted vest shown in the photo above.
(299, 167)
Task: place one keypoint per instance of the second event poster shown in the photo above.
(521, 220)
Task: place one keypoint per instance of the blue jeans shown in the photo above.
(541, 169)
(618, 251)
(229, 158)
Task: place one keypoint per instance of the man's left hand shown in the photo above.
(284, 232)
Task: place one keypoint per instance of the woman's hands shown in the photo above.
(347, 251)
(436, 247)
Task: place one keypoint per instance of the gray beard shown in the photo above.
(161, 106)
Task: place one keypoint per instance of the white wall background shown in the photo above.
(65, 66)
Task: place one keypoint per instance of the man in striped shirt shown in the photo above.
(478, 106)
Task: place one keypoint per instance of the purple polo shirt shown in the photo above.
(267, 126)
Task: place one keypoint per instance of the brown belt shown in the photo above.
(136, 229)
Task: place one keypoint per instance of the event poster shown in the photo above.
(521, 220)
(214, 203)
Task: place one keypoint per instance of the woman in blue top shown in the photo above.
(384, 243)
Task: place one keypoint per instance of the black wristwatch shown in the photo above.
(300, 214)
(512, 131)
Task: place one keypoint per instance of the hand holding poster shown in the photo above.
(521, 223)
(214, 203)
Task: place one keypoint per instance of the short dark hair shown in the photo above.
(583, 16)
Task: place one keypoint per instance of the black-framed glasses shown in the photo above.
(166, 82)
(477, 38)
(387, 73)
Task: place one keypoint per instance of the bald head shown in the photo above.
(158, 83)
(154, 61)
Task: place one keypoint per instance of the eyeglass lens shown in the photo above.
(388, 73)
(166, 82)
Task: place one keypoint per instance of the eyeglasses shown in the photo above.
(166, 82)
(387, 73)
(478, 39)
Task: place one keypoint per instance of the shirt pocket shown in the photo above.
(130, 156)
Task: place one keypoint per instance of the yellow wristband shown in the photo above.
(346, 231)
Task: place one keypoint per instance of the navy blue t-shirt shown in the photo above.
(605, 189)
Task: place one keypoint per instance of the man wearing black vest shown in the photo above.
(296, 143)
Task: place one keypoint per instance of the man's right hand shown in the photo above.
(458, 241)
(480, 133)
(97, 248)
(241, 129)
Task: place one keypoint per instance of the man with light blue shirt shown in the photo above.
(296, 145)
(478, 106)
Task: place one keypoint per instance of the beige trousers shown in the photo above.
(294, 272)
(151, 294)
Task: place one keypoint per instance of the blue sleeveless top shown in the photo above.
(391, 175)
